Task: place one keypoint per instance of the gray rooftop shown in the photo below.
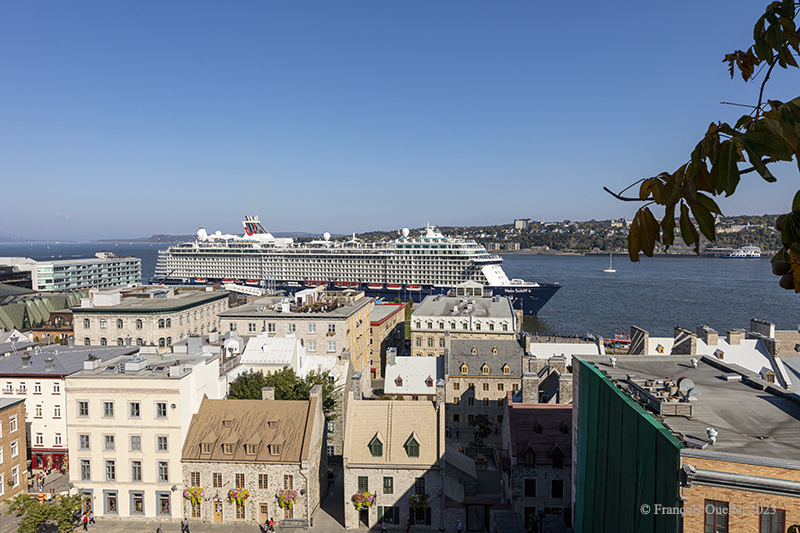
(149, 366)
(753, 417)
(265, 308)
(509, 351)
(155, 305)
(66, 360)
(5, 403)
(441, 306)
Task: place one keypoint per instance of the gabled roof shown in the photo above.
(523, 419)
(414, 372)
(509, 351)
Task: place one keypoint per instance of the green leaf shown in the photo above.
(668, 226)
(727, 168)
(688, 231)
(782, 255)
(796, 202)
(633, 240)
(709, 203)
(705, 220)
(647, 230)
(645, 189)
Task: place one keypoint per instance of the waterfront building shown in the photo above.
(263, 447)
(387, 329)
(104, 271)
(537, 447)
(106, 318)
(325, 322)
(13, 459)
(466, 315)
(394, 452)
(710, 444)
(128, 418)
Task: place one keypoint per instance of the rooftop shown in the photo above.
(273, 307)
(542, 428)
(441, 306)
(156, 305)
(381, 312)
(145, 366)
(66, 360)
(413, 374)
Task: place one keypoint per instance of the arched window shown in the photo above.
(429, 382)
(477, 326)
(103, 341)
(464, 368)
(452, 325)
(87, 341)
(201, 313)
(491, 326)
(162, 342)
(419, 342)
(530, 458)
(430, 324)
(120, 342)
(441, 325)
(160, 323)
(441, 343)
(485, 369)
(139, 341)
(465, 326)
(419, 325)
(85, 323)
(138, 323)
(169, 341)
(169, 322)
(102, 323)
(505, 326)
(195, 315)
(412, 448)
(430, 343)
(119, 323)
(180, 320)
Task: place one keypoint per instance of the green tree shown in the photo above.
(63, 511)
(768, 134)
(484, 428)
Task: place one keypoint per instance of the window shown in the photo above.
(441, 343)
(137, 503)
(388, 485)
(15, 477)
(163, 472)
(515, 387)
(263, 481)
(288, 482)
(84, 441)
(500, 402)
(111, 471)
(162, 499)
(87, 341)
(557, 489)
(506, 370)
(292, 328)
(465, 326)
(716, 520)
(12, 424)
(331, 329)
(430, 343)
(239, 511)
(486, 402)
(136, 471)
(419, 485)
(271, 327)
(110, 500)
(505, 326)
(216, 479)
(484, 369)
(140, 341)
(133, 410)
(477, 326)
(102, 323)
(363, 484)
(169, 322)
(471, 401)
(83, 408)
(250, 449)
(312, 346)
(456, 400)
(312, 328)
(491, 326)
(56, 411)
(331, 450)
(14, 448)
(136, 443)
(37, 388)
(120, 342)
(86, 323)
(331, 427)
(412, 448)
(239, 480)
(227, 449)
(38, 411)
(418, 342)
(205, 447)
(558, 459)
(500, 387)
(108, 409)
(119, 323)
(86, 470)
(464, 368)
(530, 458)
(160, 323)
(376, 447)
(251, 327)
(1, 455)
(57, 439)
(772, 520)
(161, 444)
(108, 442)
(162, 343)
(486, 387)
(138, 323)
(194, 478)
(40, 439)
(530, 488)
(161, 410)
(331, 346)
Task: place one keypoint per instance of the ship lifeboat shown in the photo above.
(316, 283)
(413, 287)
(345, 284)
(252, 282)
(227, 280)
(375, 286)
(200, 280)
(238, 282)
(393, 287)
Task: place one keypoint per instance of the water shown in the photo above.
(656, 294)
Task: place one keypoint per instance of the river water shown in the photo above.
(656, 294)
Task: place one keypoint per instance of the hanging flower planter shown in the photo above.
(286, 498)
(238, 495)
(194, 494)
(419, 501)
(363, 500)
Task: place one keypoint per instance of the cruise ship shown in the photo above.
(409, 267)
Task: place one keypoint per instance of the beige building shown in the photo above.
(108, 319)
(127, 421)
(259, 446)
(13, 459)
(394, 450)
(326, 322)
(387, 329)
(468, 315)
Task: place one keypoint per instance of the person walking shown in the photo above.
(160, 529)
(86, 522)
(383, 526)
(91, 518)
(271, 524)
(408, 525)
(459, 527)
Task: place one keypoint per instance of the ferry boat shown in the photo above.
(409, 267)
(745, 252)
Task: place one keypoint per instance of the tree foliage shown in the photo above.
(61, 510)
(484, 428)
(288, 386)
(768, 134)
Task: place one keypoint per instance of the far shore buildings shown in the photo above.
(264, 447)
(104, 271)
(155, 318)
(128, 418)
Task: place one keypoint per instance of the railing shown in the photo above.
(228, 365)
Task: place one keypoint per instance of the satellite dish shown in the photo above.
(405, 232)
(326, 236)
(684, 384)
(693, 393)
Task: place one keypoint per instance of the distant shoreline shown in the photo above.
(615, 254)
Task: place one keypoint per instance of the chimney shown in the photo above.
(392, 352)
(48, 364)
(26, 360)
(91, 363)
(735, 336)
(685, 342)
(533, 364)
(763, 327)
(71, 342)
(565, 388)
(268, 393)
(530, 387)
(128, 341)
(558, 363)
(440, 396)
(708, 335)
(316, 392)
(640, 341)
(355, 386)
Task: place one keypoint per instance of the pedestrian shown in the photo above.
(91, 517)
(86, 522)
(271, 524)
(383, 526)
(186, 527)
(160, 529)
(408, 525)
(459, 527)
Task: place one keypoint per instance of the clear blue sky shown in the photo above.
(124, 119)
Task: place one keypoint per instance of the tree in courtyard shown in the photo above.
(63, 511)
(769, 133)
(483, 428)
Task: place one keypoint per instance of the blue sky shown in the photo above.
(128, 119)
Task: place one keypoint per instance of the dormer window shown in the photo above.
(250, 449)
(275, 449)
(564, 428)
(464, 368)
(205, 447)
(485, 369)
(558, 459)
(494, 351)
(474, 350)
(273, 424)
(506, 369)
(537, 427)
(429, 382)
(227, 449)
(376, 447)
(412, 448)
(399, 381)
(530, 458)
(227, 423)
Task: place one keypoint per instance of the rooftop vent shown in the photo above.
(712, 435)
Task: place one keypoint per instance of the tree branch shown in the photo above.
(623, 198)
(763, 83)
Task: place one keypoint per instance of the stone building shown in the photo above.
(13, 459)
(107, 319)
(394, 450)
(537, 450)
(468, 315)
(259, 446)
(387, 329)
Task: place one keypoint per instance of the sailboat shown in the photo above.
(610, 265)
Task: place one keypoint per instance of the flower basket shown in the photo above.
(194, 494)
(238, 495)
(363, 500)
(419, 501)
(286, 498)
